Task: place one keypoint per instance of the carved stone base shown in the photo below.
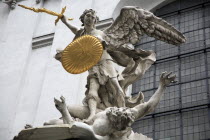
(64, 132)
(54, 132)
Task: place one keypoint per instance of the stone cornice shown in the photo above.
(42, 41)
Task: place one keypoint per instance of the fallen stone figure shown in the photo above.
(111, 124)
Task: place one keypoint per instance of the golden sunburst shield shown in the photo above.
(82, 54)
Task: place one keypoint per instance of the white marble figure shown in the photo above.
(108, 113)
(106, 87)
(114, 123)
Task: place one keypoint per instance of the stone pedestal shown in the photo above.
(64, 132)
(55, 132)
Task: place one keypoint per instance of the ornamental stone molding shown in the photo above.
(12, 3)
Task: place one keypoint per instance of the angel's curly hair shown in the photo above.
(120, 118)
(85, 12)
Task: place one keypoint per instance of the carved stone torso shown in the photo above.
(100, 35)
(101, 125)
(104, 69)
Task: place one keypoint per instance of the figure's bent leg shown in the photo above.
(92, 98)
(120, 94)
(79, 111)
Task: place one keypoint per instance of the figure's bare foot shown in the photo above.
(60, 105)
(166, 78)
(89, 119)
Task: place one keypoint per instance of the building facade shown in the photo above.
(30, 77)
(183, 113)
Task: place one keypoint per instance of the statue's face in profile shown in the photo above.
(90, 19)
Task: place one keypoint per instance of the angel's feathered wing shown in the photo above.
(133, 22)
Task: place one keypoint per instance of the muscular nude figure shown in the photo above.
(114, 123)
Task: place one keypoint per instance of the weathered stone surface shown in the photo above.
(55, 132)
(59, 132)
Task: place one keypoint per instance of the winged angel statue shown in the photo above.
(107, 112)
(106, 87)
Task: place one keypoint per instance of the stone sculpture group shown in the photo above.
(107, 113)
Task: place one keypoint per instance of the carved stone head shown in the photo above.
(120, 118)
(89, 17)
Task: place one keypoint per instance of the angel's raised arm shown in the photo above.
(74, 29)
